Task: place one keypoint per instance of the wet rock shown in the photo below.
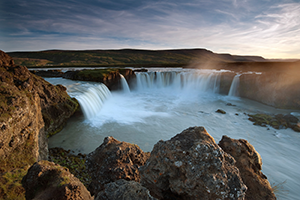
(124, 190)
(221, 111)
(278, 121)
(46, 181)
(114, 160)
(230, 104)
(191, 166)
(249, 163)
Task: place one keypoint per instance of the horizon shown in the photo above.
(257, 28)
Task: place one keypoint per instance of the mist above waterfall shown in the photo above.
(164, 102)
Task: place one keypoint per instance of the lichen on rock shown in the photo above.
(47, 180)
(249, 163)
(122, 189)
(114, 160)
(192, 166)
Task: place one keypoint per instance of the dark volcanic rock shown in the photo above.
(124, 190)
(114, 160)
(249, 163)
(46, 181)
(220, 111)
(191, 166)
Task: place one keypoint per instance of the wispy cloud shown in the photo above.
(260, 27)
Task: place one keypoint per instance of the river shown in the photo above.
(164, 103)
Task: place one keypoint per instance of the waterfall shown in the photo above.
(202, 81)
(234, 86)
(125, 86)
(92, 100)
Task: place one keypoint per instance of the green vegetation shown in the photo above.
(75, 163)
(96, 74)
(122, 57)
(13, 168)
(21, 156)
(10, 184)
(278, 121)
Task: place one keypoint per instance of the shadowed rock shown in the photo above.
(46, 181)
(191, 166)
(114, 160)
(249, 163)
(124, 190)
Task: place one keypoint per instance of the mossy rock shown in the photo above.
(75, 163)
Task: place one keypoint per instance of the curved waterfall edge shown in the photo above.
(93, 99)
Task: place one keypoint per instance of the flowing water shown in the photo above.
(165, 102)
(233, 91)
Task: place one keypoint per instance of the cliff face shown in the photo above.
(30, 108)
(110, 77)
(278, 89)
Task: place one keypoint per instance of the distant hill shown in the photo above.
(124, 57)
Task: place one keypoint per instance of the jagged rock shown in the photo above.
(47, 180)
(249, 163)
(30, 108)
(114, 160)
(191, 166)
(5, 60)
(56, 104)
(124, 190)
(23, 139)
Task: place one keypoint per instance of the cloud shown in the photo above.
(268, 28)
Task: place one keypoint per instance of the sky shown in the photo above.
(268, 28)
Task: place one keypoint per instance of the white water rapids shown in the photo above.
(163, 104)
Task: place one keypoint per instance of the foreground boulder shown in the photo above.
(249, 163)
(114, 160)
(46, 181)
(124, 190)
(192, 166)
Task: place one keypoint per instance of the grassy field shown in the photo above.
(123, 57)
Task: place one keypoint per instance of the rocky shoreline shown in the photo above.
(188, 166)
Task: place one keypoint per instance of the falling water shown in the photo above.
(92, 100)
(234, 86)
(151, 113)
(200, 81)
(124, 84)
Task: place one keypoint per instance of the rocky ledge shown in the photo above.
(30, 110)
(110, 76)
(188, 166)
